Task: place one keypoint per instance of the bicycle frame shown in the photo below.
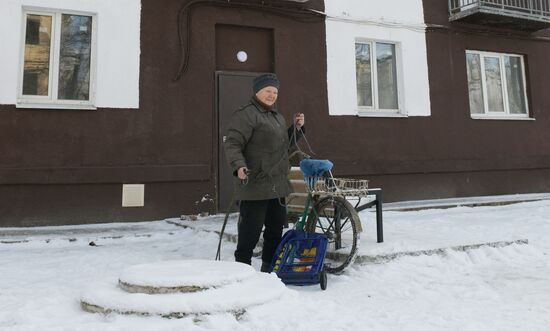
(310, 201)
(327, 211)
(303, 218)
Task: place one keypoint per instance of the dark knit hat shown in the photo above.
(265, 80)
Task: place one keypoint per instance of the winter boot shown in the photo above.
(266, 267)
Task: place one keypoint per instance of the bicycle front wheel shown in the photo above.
(339, 221)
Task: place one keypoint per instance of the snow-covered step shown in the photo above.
(182, 276)
(235, 298)
(383, 258)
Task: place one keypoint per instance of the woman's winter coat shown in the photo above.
(258, 139)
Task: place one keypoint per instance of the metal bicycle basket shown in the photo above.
(340, 186)
(319, 180)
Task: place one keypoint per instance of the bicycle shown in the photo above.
(328, 212)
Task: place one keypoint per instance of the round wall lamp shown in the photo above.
(242, 56)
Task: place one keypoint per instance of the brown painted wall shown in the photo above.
(511, 156)
(67, 166)
(448, 154)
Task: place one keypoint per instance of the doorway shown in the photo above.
(242, 53)
(234, 89)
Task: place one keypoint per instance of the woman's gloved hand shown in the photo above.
(299, 120)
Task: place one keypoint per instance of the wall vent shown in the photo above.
(133, 195)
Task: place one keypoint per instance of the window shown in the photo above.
(376, 74)
(58, 62)
(496, 85)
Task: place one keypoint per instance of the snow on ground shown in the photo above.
(181, 273)
(505, 288)
(436, 228)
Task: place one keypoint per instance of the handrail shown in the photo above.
(539, 9)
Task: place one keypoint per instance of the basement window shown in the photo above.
(496, 85)
(377, 81)
(57, 60)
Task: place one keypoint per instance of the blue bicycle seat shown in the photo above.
(313, 169)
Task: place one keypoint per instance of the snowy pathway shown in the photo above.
(504, 288)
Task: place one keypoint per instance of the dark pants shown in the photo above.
(254, 215)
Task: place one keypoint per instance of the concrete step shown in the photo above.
(106, 297)
(492, 200)
(176, 289)
(182, 276)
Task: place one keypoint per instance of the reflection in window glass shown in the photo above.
(494, 84)
(386, 76)
(36, 70)
(475, 87)
(514, 83)
(74, 57)
(364, 74)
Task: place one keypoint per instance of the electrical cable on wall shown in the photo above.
(276, 7)
(296, 10)
(431, 27)
(380, 22)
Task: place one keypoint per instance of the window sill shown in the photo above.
(67, 106)
(361, 113)
(498, 117)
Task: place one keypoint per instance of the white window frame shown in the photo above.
(51, 101)
(499, 115)
(375, 110)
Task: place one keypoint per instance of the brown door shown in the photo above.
(234, 85)
(233, 90)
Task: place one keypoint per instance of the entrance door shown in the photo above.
(234, 90)
(234, 78)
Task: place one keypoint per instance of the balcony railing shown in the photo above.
(523, 11)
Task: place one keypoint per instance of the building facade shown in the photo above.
(116, 110)
(490, 112)
(97, 125)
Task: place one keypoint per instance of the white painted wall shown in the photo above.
(118, 47)
(399, 21)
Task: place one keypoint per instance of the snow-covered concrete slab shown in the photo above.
(424, 230)
(212, 223)
(106, 297)
(383, 258)
(87, 232)
(466, 201)
(433, 229)
(182, 276)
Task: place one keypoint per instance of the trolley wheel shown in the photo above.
(323, 279)
(339, 221)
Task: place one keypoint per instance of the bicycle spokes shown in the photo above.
(336, 218)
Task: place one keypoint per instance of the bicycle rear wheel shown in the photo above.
(339, 221)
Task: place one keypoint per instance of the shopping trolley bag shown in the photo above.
(299, 258)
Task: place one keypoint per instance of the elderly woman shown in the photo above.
(256, 148)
